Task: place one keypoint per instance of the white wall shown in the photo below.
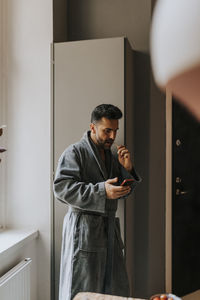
(28, 203)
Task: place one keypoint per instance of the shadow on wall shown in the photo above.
(141, 153)
(149, 204)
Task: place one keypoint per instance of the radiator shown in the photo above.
(15, 284)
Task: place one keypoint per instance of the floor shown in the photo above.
(193, 296)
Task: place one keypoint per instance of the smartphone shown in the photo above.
(127, 182)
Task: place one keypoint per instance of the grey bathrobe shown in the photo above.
(92, 257)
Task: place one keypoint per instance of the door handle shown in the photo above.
(184, 192)
(179, 192)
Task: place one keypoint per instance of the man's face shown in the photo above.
(104, 132)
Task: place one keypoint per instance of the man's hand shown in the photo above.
(113, 191)
(124, 157)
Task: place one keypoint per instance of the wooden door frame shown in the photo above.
(168, 204)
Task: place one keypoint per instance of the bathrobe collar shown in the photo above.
(106, 172)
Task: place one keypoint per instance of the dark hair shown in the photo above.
(108, 111)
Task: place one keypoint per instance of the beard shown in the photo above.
(104, 144)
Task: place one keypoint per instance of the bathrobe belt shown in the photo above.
(110, 253)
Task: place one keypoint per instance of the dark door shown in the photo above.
(185, 202)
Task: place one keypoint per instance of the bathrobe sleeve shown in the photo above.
(69, 186)
(124, 174)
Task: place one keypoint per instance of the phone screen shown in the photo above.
(127, 182)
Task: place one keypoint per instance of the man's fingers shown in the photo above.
(122, 151)
(112, 180)
(120, 146)
(123, 193)
(122, 189)
(113, 191)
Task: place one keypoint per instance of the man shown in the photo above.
(88, 180)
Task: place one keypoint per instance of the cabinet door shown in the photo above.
(185, 202)
(86, 74)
